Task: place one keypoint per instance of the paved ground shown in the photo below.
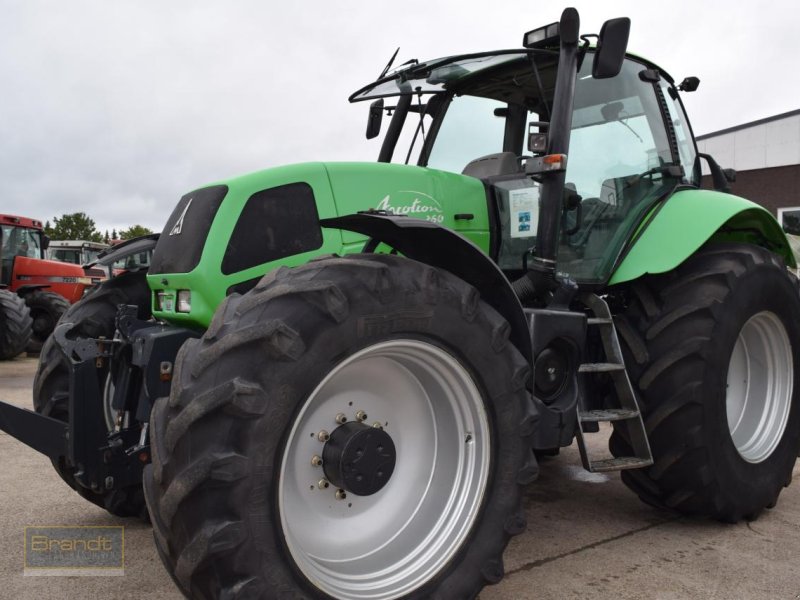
(588, 537)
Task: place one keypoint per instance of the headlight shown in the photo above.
(184, 301)
(165, 302)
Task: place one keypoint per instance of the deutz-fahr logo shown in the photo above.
(413, 204)
(178, 227)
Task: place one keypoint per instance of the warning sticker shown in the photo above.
(524, 209)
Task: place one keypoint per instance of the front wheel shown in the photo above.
(93, 317)
(352, 428)
(46, 309)
(15, 325)
(714, 349)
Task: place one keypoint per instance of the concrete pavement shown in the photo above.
(587, 537)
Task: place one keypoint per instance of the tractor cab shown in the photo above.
(19, 237)
(490, 116)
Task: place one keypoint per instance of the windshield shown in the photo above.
(17, 241)
(70, 255)
(21, 241)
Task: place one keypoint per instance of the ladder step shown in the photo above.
(619, 464)
(609, 414)
(600, 367)
(599, 321)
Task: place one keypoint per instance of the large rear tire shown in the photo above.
(46, 309)
(714, 349)
(239, 502)
(15, 325)
(93, 317)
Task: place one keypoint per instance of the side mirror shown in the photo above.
(375, 118)
(45, 241)
(611, 46)
(721, 178)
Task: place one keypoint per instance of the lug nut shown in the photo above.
(377, 425)
(341, 418)
(361, 416)
(323, 436)
(323, 484)
(341, 494)
(316, 460)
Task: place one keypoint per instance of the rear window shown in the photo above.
(275, 223)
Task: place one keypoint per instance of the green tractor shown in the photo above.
(336, 378)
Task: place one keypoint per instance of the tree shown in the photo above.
(134, 231)
(114, 235)
(105, 237)
(75, 226)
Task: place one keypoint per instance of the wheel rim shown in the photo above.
(759, 387)
(389, 543)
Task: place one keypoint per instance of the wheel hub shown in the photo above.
(358, 458)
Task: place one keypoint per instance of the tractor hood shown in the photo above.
(224, 237)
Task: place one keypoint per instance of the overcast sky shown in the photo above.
(117, 108)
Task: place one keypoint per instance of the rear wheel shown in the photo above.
(714, 348)
(93, 317)
(352, 428)
(46, 309)
(15, 325)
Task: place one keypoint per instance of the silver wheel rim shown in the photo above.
(390, 543)
(759, 387)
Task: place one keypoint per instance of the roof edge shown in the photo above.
(705, 136)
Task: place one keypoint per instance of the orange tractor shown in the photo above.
(34, 292)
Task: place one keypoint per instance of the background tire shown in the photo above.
(46, 309)
(15, 325)
(94, 317)
(692, 339)
(234, 500)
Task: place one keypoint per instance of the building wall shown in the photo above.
(778, 187)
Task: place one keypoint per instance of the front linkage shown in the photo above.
(104, 456)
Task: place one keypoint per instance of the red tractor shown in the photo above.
(34, 292)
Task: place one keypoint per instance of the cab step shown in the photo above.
(627, 416)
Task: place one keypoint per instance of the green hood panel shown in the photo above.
(339, 189)
(417, 192)
(690, 218)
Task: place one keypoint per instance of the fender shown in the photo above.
(125, 249)
(440, 247)
(25, 289)
(687, 220)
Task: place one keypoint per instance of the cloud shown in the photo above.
(117, 109)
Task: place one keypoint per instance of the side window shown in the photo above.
(789, 218)
(617, 131)
(275, 223)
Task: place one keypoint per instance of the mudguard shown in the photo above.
(687, 220)
(125, 249)
(440, 247)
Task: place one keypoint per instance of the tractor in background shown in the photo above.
(34, 291)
